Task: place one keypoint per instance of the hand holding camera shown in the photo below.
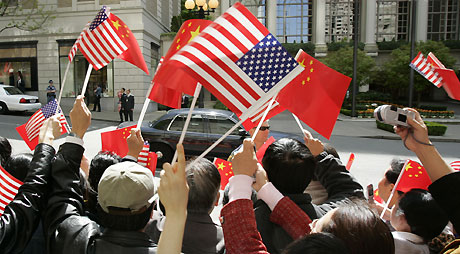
(393, 115)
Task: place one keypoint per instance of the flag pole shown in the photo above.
(394, 189)
(189, 116)
(263, 118)
(85, 85)
(63, 83)
(300, 124)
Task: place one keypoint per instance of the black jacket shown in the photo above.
(70, 232)
(340, 186)
(130, 102)
(123, 100)
(22, 215)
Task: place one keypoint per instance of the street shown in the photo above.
(372, 156)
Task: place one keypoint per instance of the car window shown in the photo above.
(220, 125)
(196, 123)
(163, 124)
(12, 90)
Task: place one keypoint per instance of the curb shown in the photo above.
(432, 138)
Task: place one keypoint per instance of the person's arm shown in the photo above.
(445, 182)
(238, 219)
(173, 192)
(63, 222)
(22, 215)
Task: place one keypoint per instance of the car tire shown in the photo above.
(165, 149)
(3, 108)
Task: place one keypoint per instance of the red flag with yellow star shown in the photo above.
(414, 176)
(225, 171)
(182, 81)
(115, 141)
(133, 53)
(316, 95)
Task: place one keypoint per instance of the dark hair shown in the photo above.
(361, 229)
(19, 165)
(99, 164)
(123, 89)
(317, 243)
(328, 148)
(204, 182)
(5, 150)
(396, 166)
(422, 213)
(122, 219)
(289, 165)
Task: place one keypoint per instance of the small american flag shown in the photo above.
(240, 62)
(100, 42)
(9, 187)
(147, 159)
(425, 68)
(36, 120)
(455, 165)
(74, 48)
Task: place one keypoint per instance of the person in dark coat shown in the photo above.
(97, 98)
(129, 105)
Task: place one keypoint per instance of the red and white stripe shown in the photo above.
(422, 66)
(434, 61)
(143, 158)
(64, 124)
(74, 48)
(101, 45)
(455, 165)
(34, 124)
(211, 57)
(9, 187)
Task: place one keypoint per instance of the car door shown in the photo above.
(218, 125)
(196, 139)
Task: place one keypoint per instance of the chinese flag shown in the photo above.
(350, 161)
(414, 176)
(178, 79)
(115, 141)
(225, 171)
(316, 95)
(450, 81)
(261, 152)
(163, 94)
(133, 53)
(377, 198)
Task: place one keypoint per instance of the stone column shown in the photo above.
(223, 4)
(319, 27)
(368, 25)
(421, 25)
(270, 12)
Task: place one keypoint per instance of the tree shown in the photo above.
(342, 61)
(26, 15)
(396, 70)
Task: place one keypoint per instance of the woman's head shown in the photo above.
(19, 165)
(5, 151)
(359, 227)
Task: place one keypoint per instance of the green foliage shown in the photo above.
(391, 45)
(396, 70)
(452, 44)
(184, 15)
(293, 48)
(434, 129)
(26, 15)
(342, 61)
(433, 107)
(336, 45)
(373, 96)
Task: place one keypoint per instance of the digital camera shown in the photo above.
(393, 115)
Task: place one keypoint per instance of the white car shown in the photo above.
(12, 99)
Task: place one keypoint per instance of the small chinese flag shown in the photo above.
(414, 176)
(377, 198)
(261, 152)
(350, 161)
(133, 53)
(316, 95)
(115, 141)
(225, 171)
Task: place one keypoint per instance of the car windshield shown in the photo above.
(12, 90)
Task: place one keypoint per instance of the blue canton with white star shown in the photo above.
(100, 17)
(50, 109)
(267, 63)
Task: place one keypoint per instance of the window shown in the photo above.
(257, 7)
(163, 125)
(393, 20)
(339, 20)
(443, 20)
(220, 125)
(154, 57)
(196, 124)
(77, 72)
(12, 90)
(294, 21)
(19, 56)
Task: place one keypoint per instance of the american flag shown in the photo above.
(100, 42)
(240, 62)
(36, 120)
(422, 66)
(144, 155)
(455, 165)
(9, 187)
(74, 48)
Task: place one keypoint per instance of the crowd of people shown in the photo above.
(68, 204)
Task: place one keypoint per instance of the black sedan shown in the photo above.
(206, 126)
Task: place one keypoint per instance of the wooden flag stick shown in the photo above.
(88, 74)
(189, 116)
(63, 83)
(300, 124)
(263, 118)
(394, 190)
(144, 109)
